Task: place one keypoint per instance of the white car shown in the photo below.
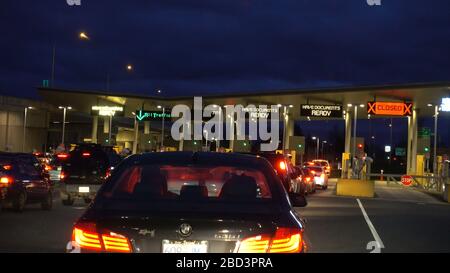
(323, 163)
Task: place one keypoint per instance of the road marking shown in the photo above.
(371, 227)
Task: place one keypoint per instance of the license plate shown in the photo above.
(83, 189)
(184, 246)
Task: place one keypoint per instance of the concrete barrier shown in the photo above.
(355, 188)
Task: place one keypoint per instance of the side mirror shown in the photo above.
(297, 200)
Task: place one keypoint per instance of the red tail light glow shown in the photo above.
(86, 154)
(5, 180)
(308, 179)
(7, 167)
(116, 242)
(48, 167)
(62, 176)
(282, 165)
(286, 240)
(62, 156)
(86, 236)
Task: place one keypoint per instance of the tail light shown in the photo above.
(285, 240)
(86, 236)
(86, 154)
(313, 172)
(282, 165)
(108, 172)
(62, 175)
(62, 156)
(5, 180)
(7, 167)
(48, 167)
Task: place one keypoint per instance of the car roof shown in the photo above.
(230, 159)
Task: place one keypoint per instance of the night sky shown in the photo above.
(209, 47)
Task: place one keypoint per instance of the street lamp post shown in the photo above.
(354, 131)
(64, 108)
(25, 127)
(436, 114)
(317, 146)
(53, 65)
(323, 152)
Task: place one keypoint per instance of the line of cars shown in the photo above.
(34, 178)
(172, 202)
(304, 179)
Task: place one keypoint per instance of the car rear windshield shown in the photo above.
(177, 186)
(321, 163)
(316, 169)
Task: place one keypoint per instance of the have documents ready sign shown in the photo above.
(321, 110)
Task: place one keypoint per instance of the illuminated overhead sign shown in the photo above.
(142, 115)
(445, 106)
(384, 108)
(259, 112)
(321, 110)
(107, 110)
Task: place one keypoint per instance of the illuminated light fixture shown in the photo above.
(361, 105)
(349, 105)
(159, 106)
(129, 67)
(279, 105)
(387, 149)
(445, 106)
(83, 36)
(291, 106)
(430, 105)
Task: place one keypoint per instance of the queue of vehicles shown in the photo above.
(172, 202)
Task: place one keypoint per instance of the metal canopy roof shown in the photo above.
(420, 94)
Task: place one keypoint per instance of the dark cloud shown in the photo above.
(210, 46)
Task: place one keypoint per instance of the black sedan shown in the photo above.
(22, 182)
(184, 202)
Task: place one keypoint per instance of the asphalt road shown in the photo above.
(334, 224)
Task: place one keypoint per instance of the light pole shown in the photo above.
(64, 108)
(317, 146)
(436, 114)
(323, 152)
(81, 36)
(25, 126)
(163, 124)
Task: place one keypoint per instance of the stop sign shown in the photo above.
(407, 180)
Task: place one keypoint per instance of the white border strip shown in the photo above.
(371, 227)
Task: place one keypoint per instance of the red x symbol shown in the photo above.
(371, 106)
(407, 109)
